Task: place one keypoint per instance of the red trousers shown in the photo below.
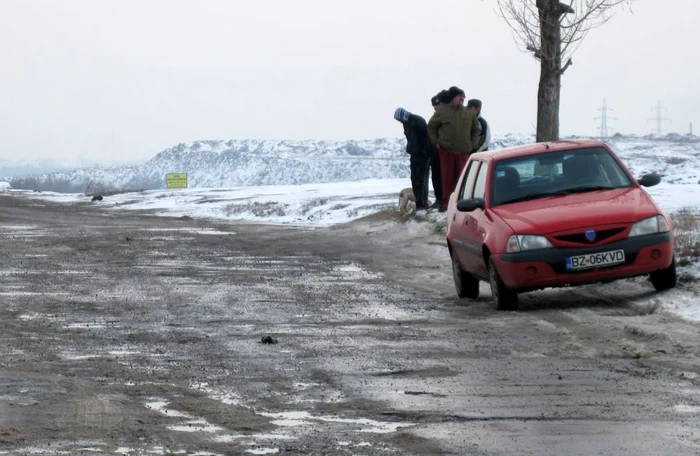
(451, 167)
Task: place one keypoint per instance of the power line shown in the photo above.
(659, 118)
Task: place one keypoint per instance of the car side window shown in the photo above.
(480, 186)
(466, 190)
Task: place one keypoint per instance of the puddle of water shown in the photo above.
(191, 230)
(683, 408)
(377, 427)
(124, 352)
(355, 271)
(288, 415)
(18, 227)
(273, 437)
(290, 423)
(161, 406)
(228, 438)
(305, 386)
(264, 451)
(289, 419)
(361, 444)
(196, 426)
(71, 357)
(34, 316)
(192, 424)
(84, 326)
(25, 272)
(228, 398)
(28, 293)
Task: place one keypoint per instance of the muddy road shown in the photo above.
(126, 333)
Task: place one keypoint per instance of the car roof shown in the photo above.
(537, 148)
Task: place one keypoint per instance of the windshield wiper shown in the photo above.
(589, 188)
(567, 191)
(535, 196)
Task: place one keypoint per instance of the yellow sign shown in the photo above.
(176, 180)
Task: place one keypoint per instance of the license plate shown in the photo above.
(595, 260)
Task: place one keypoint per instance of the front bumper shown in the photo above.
(547, 267)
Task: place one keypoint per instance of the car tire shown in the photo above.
(503, 297)
(664, 279)
(466, 285)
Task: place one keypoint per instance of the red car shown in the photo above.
(554, 214)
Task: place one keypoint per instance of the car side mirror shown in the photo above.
(469, 205)
(649, 180)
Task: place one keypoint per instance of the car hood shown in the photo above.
(581, 210)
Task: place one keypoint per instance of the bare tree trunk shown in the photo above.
(550, 71)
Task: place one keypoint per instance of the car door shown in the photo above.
(475, 224)
(458, 222)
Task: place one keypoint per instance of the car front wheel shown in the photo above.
(664, 279)
(503, 297)
(467, 285)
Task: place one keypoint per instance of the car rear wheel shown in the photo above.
(467, 285)
(664, 279)
(503, 297)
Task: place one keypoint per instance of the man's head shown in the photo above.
(440, 99)
(475, 106)
(456, 95)
(435, 101)
(401, 115)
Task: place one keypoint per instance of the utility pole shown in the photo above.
(691, 128)
(604, 117)
(659, 118)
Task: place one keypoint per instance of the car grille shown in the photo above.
(580, 238)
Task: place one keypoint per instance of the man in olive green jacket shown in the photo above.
(454, 130)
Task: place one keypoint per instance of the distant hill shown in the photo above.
(234, 163)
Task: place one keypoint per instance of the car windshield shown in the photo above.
(553, 174)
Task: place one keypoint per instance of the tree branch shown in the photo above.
(567, 65)
(576, 19)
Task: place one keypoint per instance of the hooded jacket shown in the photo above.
(416, 131)
(484, 136)
(455, 128)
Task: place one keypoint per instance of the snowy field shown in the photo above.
(309, 204)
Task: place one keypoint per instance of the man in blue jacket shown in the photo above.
(418, 146)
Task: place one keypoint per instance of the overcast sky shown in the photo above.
(125, 79)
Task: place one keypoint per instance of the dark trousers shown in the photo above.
(451, 166)
(436, 175)
(419, 179)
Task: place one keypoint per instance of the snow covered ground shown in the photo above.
(308, 204)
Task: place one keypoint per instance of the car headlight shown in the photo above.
(651, 225)
(520, 242)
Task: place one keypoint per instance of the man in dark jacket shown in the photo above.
(455, 130)
(435, 170)
(418, 146)
(485, 136)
